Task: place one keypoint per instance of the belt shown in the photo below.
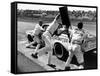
(49, 32)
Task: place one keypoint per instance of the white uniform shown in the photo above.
(49, 32)
(37, 30)
(77, 37)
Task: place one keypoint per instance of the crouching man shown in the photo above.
(38, 30)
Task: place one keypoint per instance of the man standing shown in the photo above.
(77, 37)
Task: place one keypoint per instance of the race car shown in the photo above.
(60, 42)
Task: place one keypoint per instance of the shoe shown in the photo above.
(80, 67)
(27, 46)
(51, 65)
(34, 55)
(67, 68)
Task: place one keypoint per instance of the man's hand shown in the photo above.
(58, 16)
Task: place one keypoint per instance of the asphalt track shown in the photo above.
(43, 58)
(26, 63)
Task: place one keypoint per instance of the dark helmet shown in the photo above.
(80, 25)
(40, 23)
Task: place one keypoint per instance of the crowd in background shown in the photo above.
(75, 14)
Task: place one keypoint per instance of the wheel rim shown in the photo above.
(58, 50)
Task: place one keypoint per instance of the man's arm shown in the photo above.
(55, 19)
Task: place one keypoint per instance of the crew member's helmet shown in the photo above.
(80, 25)
(40, 23)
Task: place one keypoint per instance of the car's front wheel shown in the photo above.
(60, 52)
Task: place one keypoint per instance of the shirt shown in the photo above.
(77, 35)
(37, 30)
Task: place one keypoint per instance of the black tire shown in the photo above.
(30, 38)
(60, 52)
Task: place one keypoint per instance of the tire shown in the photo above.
(60, 52)
(30, 38)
